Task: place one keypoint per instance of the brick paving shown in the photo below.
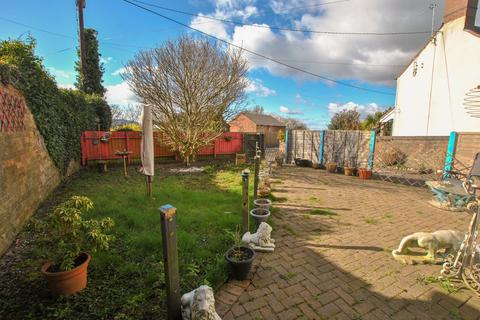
(339, 265)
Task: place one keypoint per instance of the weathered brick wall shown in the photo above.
(468, 145)
(27, 173)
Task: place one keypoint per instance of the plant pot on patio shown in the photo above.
(239, 261)
(263, 203)
(65, 283)
(260, 215)
(331, 167)
(364, 173)
(349, 171)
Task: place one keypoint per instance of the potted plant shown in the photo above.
(364, 173)
(263, 203)
(331, 167)
(349, 169)
(260, 215)
(239, 257)
(66, 241)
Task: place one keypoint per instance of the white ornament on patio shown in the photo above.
(450, 240)
(261, 240)
(199, 304)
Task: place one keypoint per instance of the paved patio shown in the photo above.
(338, 265)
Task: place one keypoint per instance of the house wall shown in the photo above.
(242, 124)
(431, 102)
(27, 173)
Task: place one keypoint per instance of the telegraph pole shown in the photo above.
(432, 7)
(81, 32)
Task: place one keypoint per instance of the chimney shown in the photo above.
(455, 9)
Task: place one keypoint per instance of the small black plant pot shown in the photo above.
(239, 267)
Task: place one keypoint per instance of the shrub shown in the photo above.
(60, 115)
(394, 158)
(128, 127)
(66, 234)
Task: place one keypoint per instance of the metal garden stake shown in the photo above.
(257, 171)
(245, 221)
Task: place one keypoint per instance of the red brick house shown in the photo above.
(262, 123)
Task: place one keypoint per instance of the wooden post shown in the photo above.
(170, 260)
(125, 172)
(148, 180)
(452, 144)
(372, 150)
(320, 148)
(286, 146)
(245, 202)
(257, 171)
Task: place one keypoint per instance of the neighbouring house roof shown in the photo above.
(390, 115)
(263, 119)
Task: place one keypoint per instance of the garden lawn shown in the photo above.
(127, 282)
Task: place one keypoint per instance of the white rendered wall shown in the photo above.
(431, 103)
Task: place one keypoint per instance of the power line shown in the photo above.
(339, 63)
(283, 28)
(309, 6)
(259, 54)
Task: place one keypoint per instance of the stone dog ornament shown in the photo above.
(260, 241)
(199, 304)
(449, 240)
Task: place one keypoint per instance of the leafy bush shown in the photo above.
(128, 127)
(60, 115)
(66, 234)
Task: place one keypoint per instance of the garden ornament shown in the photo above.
(260, 241)
(450, 240)
(199, 304)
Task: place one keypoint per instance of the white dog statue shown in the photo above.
(450, 240)
(260, 241)
(199, 304)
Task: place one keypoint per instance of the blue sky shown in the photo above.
(368, 61)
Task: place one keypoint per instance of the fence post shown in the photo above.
(245, 202)
(452, 145)
(286, 146)
(257, 171)
(170, 260)
(320, 148)
(372, 149)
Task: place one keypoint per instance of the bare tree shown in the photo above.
(345, 120)
(193, 87)
(130, 113)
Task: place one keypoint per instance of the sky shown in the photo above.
(356, 70)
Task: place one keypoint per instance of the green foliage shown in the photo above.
(92, 81)
(60, 115)
(66, 234)
(345, 120)
(127, 127)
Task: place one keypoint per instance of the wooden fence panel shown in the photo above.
(101, 145)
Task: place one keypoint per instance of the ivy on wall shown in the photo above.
(61, 115)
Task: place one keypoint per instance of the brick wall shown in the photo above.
(242, 124)
(468, 144)
(27, 173)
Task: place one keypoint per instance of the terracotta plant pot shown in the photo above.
(239, 268)
(349, 171)
(331, 167)
(364, 173)
(65, 283)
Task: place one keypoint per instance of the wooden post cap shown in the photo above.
(167, 210)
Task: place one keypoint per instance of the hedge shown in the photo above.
(61, 115)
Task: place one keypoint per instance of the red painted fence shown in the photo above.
(102, 145)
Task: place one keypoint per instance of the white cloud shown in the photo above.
(66, 86)
(118, 72)
(106, 60)
(257, 87)
(120, 94)
(353, 57)
(363, 109)
(60, 74)
(286, 110)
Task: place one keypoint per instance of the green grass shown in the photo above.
(127, 282)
